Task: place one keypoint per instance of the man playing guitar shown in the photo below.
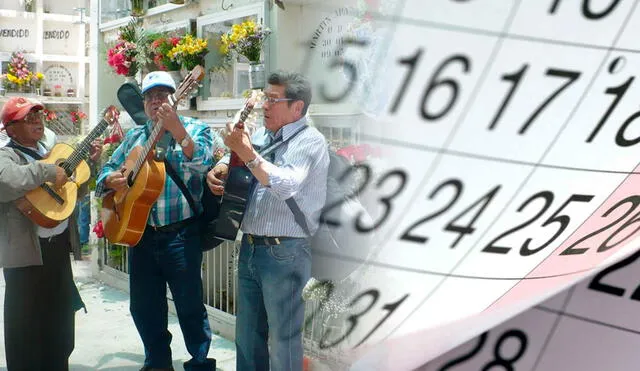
(169, 250)
(40, 296)
(275, 257)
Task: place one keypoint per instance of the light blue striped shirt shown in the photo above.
(302, 165)
(171, 206)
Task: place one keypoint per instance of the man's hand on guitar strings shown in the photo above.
(116, 181)
(61, 177)
(216, 177)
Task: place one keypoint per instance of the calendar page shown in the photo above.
(591, 326)
(506, 137)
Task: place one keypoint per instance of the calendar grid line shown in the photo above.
(445, 274)
(526, 178)
(586, 319)
(510, 36)
(588, 88)
(456, 153)
(548, 149)
(554, 327)
(436, 162)
(575, 108)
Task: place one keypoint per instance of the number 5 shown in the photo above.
(338, 61)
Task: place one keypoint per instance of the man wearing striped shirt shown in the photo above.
(275, 258)
(170, 248)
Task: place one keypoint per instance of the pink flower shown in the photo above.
(98, 229)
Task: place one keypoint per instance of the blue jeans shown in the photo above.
(270, 283)
(174, 258)
(84, 218)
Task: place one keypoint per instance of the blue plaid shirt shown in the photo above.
(171, 206)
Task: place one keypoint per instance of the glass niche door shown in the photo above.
(227, 78)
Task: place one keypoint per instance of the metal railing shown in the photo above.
(220, 278)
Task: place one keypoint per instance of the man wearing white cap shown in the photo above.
(40, 296)
(169, 251)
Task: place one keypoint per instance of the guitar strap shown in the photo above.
(25, 150)
(183, 188)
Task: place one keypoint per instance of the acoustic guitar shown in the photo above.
(125, 212)
(238, 185)
(48, 205)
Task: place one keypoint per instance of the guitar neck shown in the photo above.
(235, 160)
(181, 92)
(146, 150)
(81, 152)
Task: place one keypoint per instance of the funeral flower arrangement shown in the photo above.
(19, 74)
(245, 39)
(123, 56)
(189, 52)
(159, 50)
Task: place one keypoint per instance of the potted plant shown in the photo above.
(29, 5)
(189, 52)
(159, 49)
(36, 82)
(138, 8)
(246, 40)
(123, 57)
(18, 72)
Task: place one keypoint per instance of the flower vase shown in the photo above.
(217, 83)
(256, 75)
(29, 6)
(138, 8)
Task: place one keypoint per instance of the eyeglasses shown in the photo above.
(33, 117)
(159, 95)
(271, 100)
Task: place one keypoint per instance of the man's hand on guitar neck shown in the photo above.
(96, 150)
(171, 122)
(238, 140)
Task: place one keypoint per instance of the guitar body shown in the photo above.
(46, 209)
(234, 202)
(237, 187)
(125, 213)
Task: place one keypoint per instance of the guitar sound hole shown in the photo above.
(130, 179)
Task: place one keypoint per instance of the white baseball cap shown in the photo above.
(158, 78)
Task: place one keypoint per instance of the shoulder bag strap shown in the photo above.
(25, 150)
